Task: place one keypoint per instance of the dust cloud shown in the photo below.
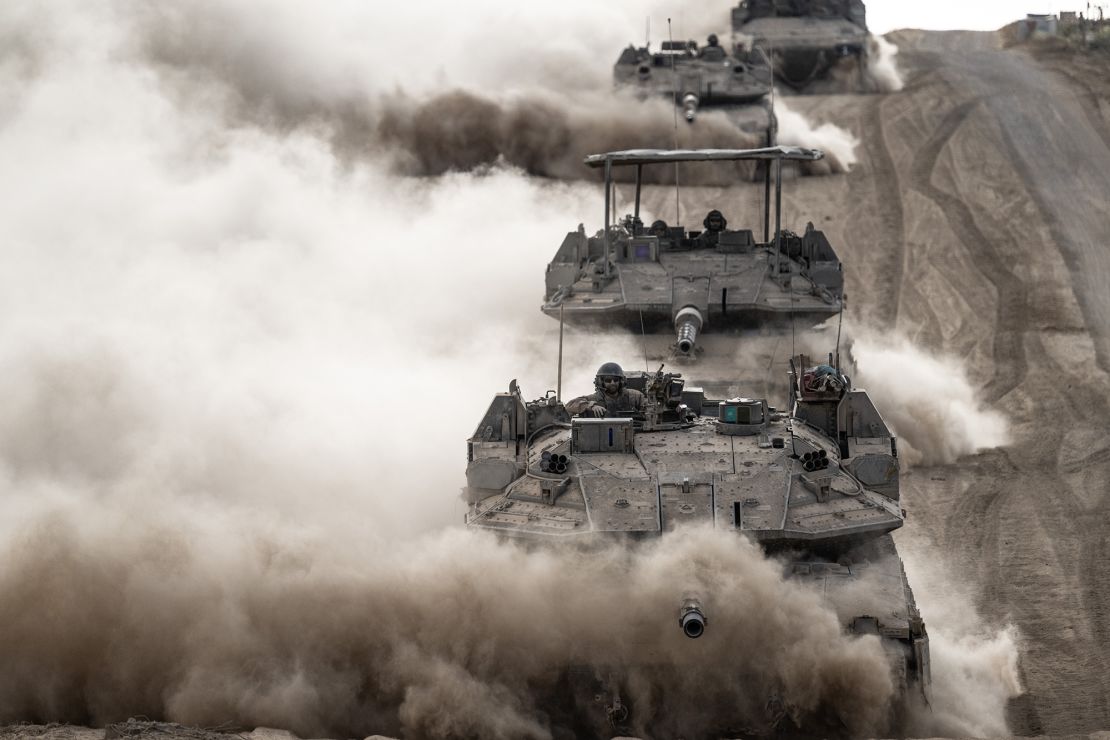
(882, 68)
(206, 617)
(927, 399)
(240, 371)
(547, 134)
(371, 97)
(939, 416)
(838, 144)
(974, 661)
(422, 47)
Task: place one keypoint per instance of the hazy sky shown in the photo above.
(887, 15)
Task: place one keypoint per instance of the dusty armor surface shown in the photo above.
(816, 484)
(695, 280)
(702, 78)
(806, 38)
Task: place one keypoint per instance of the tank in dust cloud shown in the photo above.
(664, 276)
(806, 38)
(709, 77)
(817, 486)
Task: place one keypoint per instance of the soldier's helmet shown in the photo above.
(659, 229)
(713, 40)
(606, 371)
(714, 221)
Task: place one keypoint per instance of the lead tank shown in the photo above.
(806, 38)
(739, 84)
(816, 483)
(725, 275)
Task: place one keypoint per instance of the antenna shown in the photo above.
(771, 62)
(839, 325)
(674, 76)
(793, 351)
(647, 35)
(778, 216)
(770, 142)
(559, 385)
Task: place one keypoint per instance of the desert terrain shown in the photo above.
(973, 225)
(995, 250)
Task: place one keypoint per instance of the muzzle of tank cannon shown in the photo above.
(551, 463)
(687, 324)
(812, 461)
(690, 106)
(691, 618)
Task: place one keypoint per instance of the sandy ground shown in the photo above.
(975, 224)
(996, 250)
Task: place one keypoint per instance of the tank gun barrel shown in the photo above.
(691, 618)
(687, 324)
(690, 106)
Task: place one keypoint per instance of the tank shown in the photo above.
(704, 78)
(805, 38)
(815, 484)
(667, 277)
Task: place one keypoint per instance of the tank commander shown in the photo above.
(824, 379)
(661, 231)
(714, 224)
(712, 51)
(610, 397)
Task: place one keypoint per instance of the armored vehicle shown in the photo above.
(806, 38)
(694, 279)
(710, 77)
(817, 484)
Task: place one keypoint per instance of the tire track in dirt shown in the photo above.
(891, 215)
(1056, 229)
(1060, 512)
(1038, 550)
(1011, 364)
(1093, 102)
(1090, 407)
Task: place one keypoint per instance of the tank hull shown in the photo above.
(805, 49)
(816, 489)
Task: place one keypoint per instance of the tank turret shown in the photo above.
(710, 77)
(690, 281)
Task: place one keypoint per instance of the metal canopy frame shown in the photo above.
(640, 157)
(664, 156)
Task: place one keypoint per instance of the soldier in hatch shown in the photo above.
(660, 230)
(712, 51)
(610, 397)
(714, 224)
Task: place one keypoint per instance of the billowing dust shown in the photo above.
(204, 616)
(974, 663)
(883, 65)
(239, 374)
(543, 124)
(928, 399)
(838, 144)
